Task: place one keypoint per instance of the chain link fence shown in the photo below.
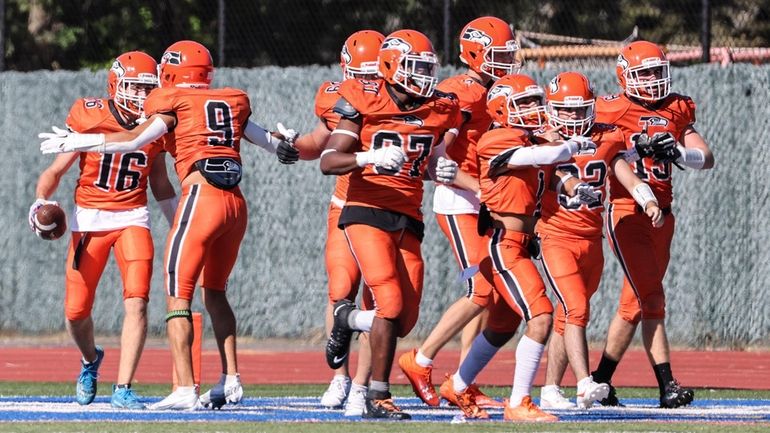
(73, 34)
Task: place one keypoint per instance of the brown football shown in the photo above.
(51, 222)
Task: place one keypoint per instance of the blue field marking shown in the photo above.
(308, 409)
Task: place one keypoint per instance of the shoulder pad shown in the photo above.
(604, 127)
(345, 109)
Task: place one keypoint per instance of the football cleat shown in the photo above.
(592, 392)
(611, 399)
(447, 391)
(527, 411)
(419, 377)
(223, 393)
(466, 401)
(85, 390)
(675, 396)
(184, 398)
(337, 392)
(355, 405)
(338, 345)
(125, 398)
(383, 408)
(552, 397)
(484, 401)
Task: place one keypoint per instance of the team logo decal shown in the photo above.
(172, 58)
(498, 91)
(346, 57)
(622, 62)
(410, 120)
(553, 86)
(396, 44)
(477, 36)
(653, 121)
(118, 68)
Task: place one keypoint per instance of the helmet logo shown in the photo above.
(553, 86)
(497, 91)
(118, 69)
(410, 119)
(477, 36)
(622, 62)
(172, 58)
(396, 44)
(346, 55)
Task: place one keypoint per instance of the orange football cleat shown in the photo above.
(483, 400)
(447, 391)
(527, 411)
(467, 404)
(419, 377)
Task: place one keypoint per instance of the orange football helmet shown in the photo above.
(643, 71)
(131, 78)
(510, 102)
(570, 103)
(407, 59)
(487, 47)
(186, 64)
(358, 57)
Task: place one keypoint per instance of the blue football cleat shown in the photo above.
(124, 398)
(86, 387)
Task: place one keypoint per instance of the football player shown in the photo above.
(488, 49)
(660, 132)
(203, 128)
(515, 172)
(389, 134)
(571, 236)
(111, 214)
(358, 59)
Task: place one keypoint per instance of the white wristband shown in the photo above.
(562, 181)
(643, 195)
(693, 158)
(363, 159)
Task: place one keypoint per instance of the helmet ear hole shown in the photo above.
(472, 54)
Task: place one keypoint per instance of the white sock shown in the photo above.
(528, 354)
(361, 320)
(356, 387)
(458, 384)
(422, 360)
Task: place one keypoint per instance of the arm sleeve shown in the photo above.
(540, 155)
(261, 137)
(156, 130)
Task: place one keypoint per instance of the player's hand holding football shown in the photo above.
(446, 171)
(655, 214)
(33, 209)
(61, 141)
(286, 152)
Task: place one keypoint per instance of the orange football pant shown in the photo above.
(515, 277)
(392, 267)
(470, 249)
(203, 242)
(643, 252)
(133, 253)
(573, 267)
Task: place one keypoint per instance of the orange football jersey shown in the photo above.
(472, 97)
(210, 123)
(110, 181)
(386, 123)
(325, 98)
(514, 191)
(674, 114)
(584, 221)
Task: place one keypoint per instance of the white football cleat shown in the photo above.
(228, 390)
(591, 392)
(184, 398)
(356, 402)
(552, 397)
(337, 392)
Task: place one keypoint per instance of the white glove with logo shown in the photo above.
(33, 209)
(581, 145)
(446, 171)
(61, 141)
(385, 160)
(584, 194)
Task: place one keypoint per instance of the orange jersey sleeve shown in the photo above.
(472, 98)
(513, 191)
(673, 115)
(210, 123)
(386, 123)
(325, 98)
(112, 181)
(585, 220)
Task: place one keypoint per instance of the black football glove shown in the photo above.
(287, 153)
(643, 144)
(664, 147)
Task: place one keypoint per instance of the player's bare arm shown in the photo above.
(311, 145)
(640, 191)
(162, 189)
(49, 179)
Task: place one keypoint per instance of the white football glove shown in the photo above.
(446, 171)
(581, 145)
(61, 141)
(385, 160)
(289, 134)
(35, 206)
(584, 194)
